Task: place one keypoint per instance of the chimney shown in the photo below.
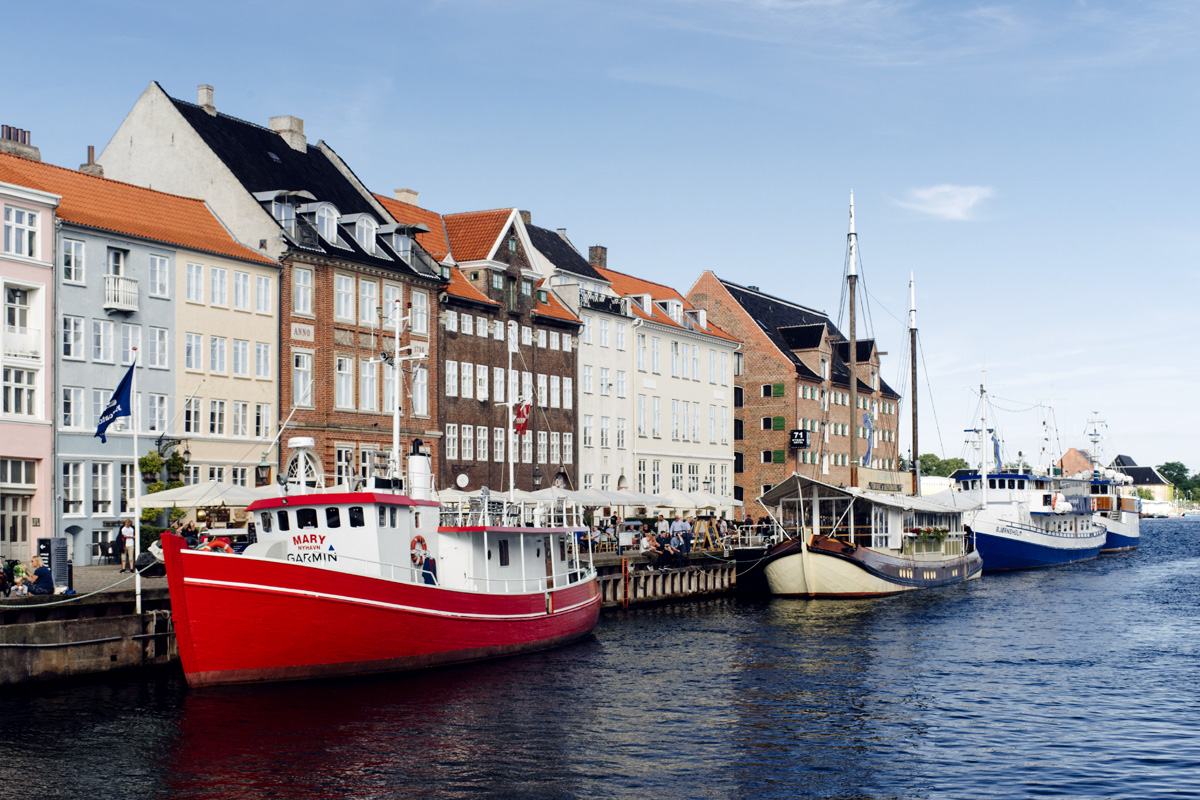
(598, 256)
(526, 217)
(292, 131)
(91, 167)
(204, 98)
(407, 196)
(16, 141)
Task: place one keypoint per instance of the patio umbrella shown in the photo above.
(206, 494)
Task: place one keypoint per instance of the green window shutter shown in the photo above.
(778, 457)
(777, 390)
(777, 423)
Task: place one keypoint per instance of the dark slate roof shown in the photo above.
(1120, 462)
(262, 161)
(1145, 476)
(784, 322)
(561, 254)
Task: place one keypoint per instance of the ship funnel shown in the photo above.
(420, 473)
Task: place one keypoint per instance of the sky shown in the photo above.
(1033, 164)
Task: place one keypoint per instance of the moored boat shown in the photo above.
(353, 582)
(1116, 509)
(848, 542)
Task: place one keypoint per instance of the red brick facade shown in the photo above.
(325, 338)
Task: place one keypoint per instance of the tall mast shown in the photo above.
(912, 345)
(983, 443)
(852, 277)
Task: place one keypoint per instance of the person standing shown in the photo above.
(127, 534)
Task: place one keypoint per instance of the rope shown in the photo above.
(71, 599)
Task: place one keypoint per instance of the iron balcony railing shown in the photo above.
(599, 302)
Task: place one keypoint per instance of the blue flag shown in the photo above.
(118, 406)
(870, 438)
(996, 449)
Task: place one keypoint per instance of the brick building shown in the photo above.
(793, 374)
(494, 289)
(344, 262)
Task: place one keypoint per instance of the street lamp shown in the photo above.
(262, 473)
(537, 477)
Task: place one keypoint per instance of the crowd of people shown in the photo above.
(21, 580)
(665, 542)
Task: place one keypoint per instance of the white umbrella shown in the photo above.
(208, 493)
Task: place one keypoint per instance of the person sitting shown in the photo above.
(651, 550)
(42, 582)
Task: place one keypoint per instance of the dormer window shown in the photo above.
(402, 244)
(284, 213)
(327, 221)
(675, 311)
(364, 233)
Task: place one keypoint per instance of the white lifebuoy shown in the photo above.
(420, 550)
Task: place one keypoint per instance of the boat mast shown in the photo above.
(852, 278)
(983, 457)
(912, 344)
(512, 445)
(396, 471)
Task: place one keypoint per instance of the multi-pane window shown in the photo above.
(542, 446)
(302, 291)
(389, 387)
(241, 291)
(368, 385)
(262, 360)
(555, 448)
(620, 383)
(343, 382)
(603, 332)
(451, 379)
(587, 430)
(238, 475)
(241, 357)
(541, 337)
(420, 312)
(712, 366)
(568, 448)
(654, 354)
(216, 353)
(368, 302)
(194, 283)
(302, 379)
(129, 487)
(481, 383)
(131, 342)
(675, 360)
(216, 417)
(620, 335)
(101, 488)
(327, 219)
(391, 296)
(641, 415)
(218, 288)
(158, 350)
(481, 443)
(605, 386)
(262, 420)
(191, 415)
(451, 321)
(527, 386)
(20, 231)
(343, 297)
(640, 349)
(420, 391)
(72, 487)
(568, 393)
(262, 294)
(498, 444)
(72, 261)
(724, 369)
(620, 433)
(468, 379)
(542, 390)
(555, 391)
(468, 325)
(468, 442)
(586, 334)
(102, 340)
(554, 338)
(73, 408)
(527, 446)
(451, 441)
(157, 413)
(216, 473)
(240, 422)
(695, 362)
(695, 421)
(526, 335)
(116, 261)
(566, 342)
(193, 351)
(655, 417)
(72, 337)
(159, 270)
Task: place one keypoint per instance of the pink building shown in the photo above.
(26, 339)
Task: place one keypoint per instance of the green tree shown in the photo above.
(932, 465)
(1175, 472)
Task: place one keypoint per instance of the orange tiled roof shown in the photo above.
(626, 285)
(553, 308)
(461, 287)
(434, 242)
(124, 208)
(473, 235)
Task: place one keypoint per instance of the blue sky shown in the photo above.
(1033, 163)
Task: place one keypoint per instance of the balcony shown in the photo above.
(20, 342)
(120, 293)
(599, 302)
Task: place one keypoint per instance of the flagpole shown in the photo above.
(512, 446)
(137, 495)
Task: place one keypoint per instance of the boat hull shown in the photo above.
(1121, 535)
(1010, 547)
(241, 619)
(833, 569)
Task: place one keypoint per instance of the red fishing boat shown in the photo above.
(343, 582)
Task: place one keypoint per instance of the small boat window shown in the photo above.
(357, 518)
(383, 516)
(1012, 484)
(417, 519)
(283, 519)
(562, 548)
(503, 545)
(266, 521)
(333, 517)
(1047, 500)
(1020, 484)
(306, 518)
(991, 483)
(393, 515)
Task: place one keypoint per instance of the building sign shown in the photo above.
(879, 486)
(303, 332)
(798, 440)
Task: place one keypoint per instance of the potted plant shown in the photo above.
(151, 465)
(175, 465)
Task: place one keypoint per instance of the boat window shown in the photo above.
(357, 519)
(306, 518)
(991, 483)
(562, 549)
(266, 521)
(283, 519)
(383, 516)
(393, 515)
(333, 517)
(1047, 500)
(1012, 484)
(1020, 484)
(503, 545)
(417, 519)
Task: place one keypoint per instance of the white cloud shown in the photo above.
(946, 201)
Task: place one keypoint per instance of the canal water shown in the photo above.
(1075, 682)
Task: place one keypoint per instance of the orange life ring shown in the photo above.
(420, 550)
(221, 544)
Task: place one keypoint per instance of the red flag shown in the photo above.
(521, 422)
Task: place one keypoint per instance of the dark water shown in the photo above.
(1083, 681)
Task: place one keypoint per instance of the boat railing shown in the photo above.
(389, 571)
(481, 512)
(528, 584)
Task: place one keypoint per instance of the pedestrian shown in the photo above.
(127, 534)
(42, 583)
